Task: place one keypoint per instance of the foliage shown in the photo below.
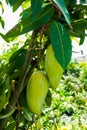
(69, 101)
(43, 22)
(1, 19)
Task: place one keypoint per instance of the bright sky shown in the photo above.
(80, 48)
(11, 19)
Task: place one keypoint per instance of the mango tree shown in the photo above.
(44, 23)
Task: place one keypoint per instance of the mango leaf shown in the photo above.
(61, 43)
(82, 38)
(2, 22)
(25, 13)
(18, 63)
(79, 27)
(17, 4)
(26, 4)
(79, 34)
(48, 98)
(30, 23)
(12, 2)
(1, 6)
(62, 6)
(80, 24)
(83, 7)
(36, 6)
(10, 126)
(69, 2)
(26, 111)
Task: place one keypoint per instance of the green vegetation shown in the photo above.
(27, 99)
(68, 108)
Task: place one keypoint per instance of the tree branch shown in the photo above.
(22, 78)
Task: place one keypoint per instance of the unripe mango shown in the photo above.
(53, 68)
(37, 89)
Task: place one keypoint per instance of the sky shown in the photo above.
(11, 19)
(78, 49)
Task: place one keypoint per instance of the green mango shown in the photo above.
(36, 92)
(53, 69)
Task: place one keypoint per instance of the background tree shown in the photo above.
(43, 22)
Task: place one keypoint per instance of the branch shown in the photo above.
(21, 82)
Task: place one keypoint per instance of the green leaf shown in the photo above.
(48, 98)
(61, 43)
(4, 93)
(10, 126)
(69, 2)
(62, 6)
(26, 111)
(80, 24)
(36, 6)
(3, 101)
(2, 22)
(12, 2)
(17, 4)
(30, 23)
(25, 13)
(26, 4)
(1, 6)
(82, 38)
(18, 63)
(83, 7)
(79, 27)
(44, 16)
(81, 35)
(73, 33)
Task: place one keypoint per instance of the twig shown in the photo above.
(21, 82)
